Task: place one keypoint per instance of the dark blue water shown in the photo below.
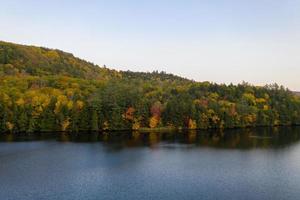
(240, 164)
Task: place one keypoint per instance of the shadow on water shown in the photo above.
(275, 137)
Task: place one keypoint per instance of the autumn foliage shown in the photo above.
(50, 90)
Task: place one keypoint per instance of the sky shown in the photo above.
(222, 41)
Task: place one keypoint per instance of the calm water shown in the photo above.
(236, 164)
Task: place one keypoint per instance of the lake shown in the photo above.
(262, 163)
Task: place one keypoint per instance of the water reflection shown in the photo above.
(277, 137)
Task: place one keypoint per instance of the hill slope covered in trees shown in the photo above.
(49, 90)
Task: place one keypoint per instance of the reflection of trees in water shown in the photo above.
(236, 138)
(192, 136)
(153, 138)
(250, 138)
(275, 137)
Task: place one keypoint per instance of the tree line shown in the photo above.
(49, 90)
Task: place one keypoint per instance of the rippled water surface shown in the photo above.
(236, 164)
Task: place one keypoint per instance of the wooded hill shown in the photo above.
(49, 90)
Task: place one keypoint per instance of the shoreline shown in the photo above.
(145, 130)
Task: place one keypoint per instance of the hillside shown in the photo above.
(18, 59)
(49, 90)
(38, 61)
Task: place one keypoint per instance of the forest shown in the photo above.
(44, 89)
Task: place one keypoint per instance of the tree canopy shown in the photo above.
(49, 90)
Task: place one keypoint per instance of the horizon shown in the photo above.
(225, 42)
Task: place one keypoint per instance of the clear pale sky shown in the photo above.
(222, 41)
